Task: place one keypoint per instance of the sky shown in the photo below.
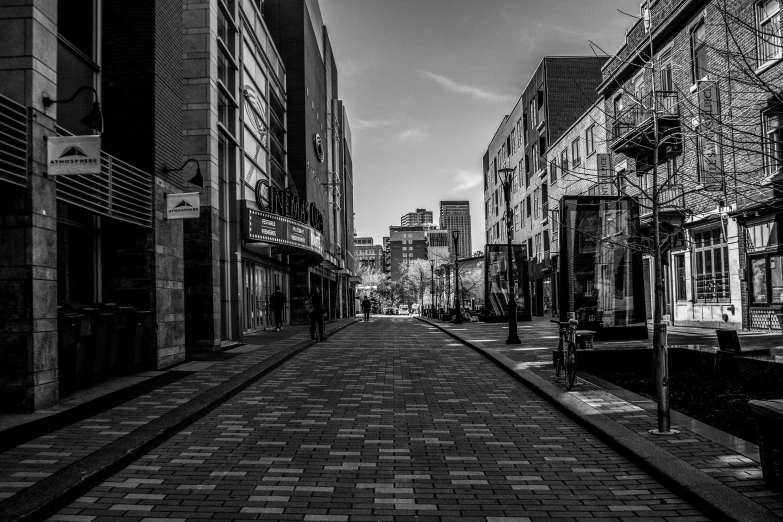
(426, 83)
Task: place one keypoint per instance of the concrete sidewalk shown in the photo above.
(705, 465)
(44, 461)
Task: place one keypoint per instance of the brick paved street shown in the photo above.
(389, 420)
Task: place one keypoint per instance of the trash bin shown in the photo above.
(137, 334)
(769, 425)
(584, 340)
(68, 330)
(102, 332)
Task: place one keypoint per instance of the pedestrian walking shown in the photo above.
(315, 307)
(278, 304)
(366, 306)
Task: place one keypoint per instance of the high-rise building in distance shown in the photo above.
(421, 217)
(455, 215)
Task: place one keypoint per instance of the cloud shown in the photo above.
(461, 88)
(587, 35)
(359, 124)
(350, 68)
(412, 135)
(467, 179)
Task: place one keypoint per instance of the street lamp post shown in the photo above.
(432, 288)
(513, 337)
(455, 236)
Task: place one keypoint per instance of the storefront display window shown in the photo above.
(767, 279)
(600, 265)
(711, 266)
(496, 282)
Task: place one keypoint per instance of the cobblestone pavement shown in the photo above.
(720, 461)
(389, 420)
(27, 463)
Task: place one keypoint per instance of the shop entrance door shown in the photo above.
(256, 297)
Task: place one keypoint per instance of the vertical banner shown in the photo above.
(710, 153)
(604, 165)
(183, 206)
(68, 155)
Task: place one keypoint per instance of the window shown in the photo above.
(769, 30)
(516, 217)
(617, 106)
(711, 266)
(537, 204)
(513, 141)
(621, 182)
(575, 157)
(564, 162)
(699, 50)
(639, 89)
(524, 124)
(528, 207)
(529, 247)
(590, 141)
(773, 143)
(519, 132)
(522, 213)
(546, 240)
(553, 171)
(555, 227)
(767, 279)
(535, 159)
(679, 275)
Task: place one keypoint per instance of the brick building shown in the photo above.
(405, 245)
(558, 94)
(368, 253)
(713, 175)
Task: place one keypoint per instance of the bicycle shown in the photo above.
(565, 357)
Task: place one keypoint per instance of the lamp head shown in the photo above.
(455, 234)
(198, 179)
(506, 172)
(94, 119)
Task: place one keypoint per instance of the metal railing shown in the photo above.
(120, 191)
(13, 142)
(666, 106)
(670, 198)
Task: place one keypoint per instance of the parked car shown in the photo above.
(391, 311)
(415, 309)
(403, 310)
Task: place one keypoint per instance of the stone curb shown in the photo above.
(47, 496)
(706, 493)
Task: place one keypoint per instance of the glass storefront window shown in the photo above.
(776, 278)
(599, 262)
(758, 267)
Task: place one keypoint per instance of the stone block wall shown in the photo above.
(28, 264)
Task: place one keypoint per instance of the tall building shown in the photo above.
(455, 215)
(438, 242)
(405, 245)
(420, 217)
(319, 150)
(558, 94)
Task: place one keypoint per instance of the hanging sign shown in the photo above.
(279, 230)
(183, 206)
(68, 155)
(283, 203)
(604, 164)
(710, 154)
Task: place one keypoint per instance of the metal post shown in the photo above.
(513, 336)
(458, 319)
(432, 289)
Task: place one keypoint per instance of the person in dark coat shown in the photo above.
(315, 307)
(278, 304)
(366, 306)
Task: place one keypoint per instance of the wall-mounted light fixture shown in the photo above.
(197, 180)
(94, 119)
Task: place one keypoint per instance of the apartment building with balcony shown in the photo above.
(558, 93)
(680, 106)
(368, 253)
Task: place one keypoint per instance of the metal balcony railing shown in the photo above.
(666, 106)
(13, 142)
(121, 191)
(670, 198)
